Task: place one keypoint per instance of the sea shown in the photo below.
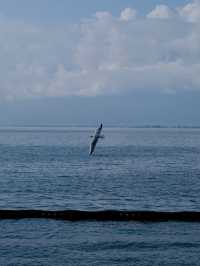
(49, 168)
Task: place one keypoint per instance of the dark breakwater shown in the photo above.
(108, 215)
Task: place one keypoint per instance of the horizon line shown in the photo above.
(105, 126)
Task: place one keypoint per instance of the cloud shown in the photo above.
(128, 14)
(160, 11)
(191, 11)
(101, 55)
(103, 15)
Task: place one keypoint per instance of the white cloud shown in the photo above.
(128, 14)
(103, 15)
(101, 55)
(160, 11)
(191, 11)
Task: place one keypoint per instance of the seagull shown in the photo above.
(95, 138)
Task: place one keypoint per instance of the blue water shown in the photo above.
(132, 169)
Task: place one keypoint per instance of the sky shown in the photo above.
(130, 62)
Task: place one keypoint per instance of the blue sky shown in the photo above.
(80, 62)
(73, 10)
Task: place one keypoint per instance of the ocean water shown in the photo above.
(132, 169)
